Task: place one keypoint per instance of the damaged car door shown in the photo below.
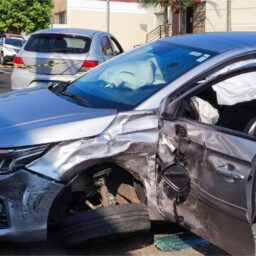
(206, 181)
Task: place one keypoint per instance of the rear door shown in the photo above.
(207, 179)
(55, 54)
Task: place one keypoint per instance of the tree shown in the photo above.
(174, 4)
(24, 15)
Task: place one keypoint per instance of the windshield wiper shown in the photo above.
(60, 89)
(59, 86)
(80, 100)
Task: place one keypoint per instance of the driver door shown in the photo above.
(206, 182)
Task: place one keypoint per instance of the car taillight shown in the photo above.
(88, 64)
(18, 62)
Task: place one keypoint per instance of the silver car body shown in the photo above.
(63, 66)
(217, 209)
(9, 51)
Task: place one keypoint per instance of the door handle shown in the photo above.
(230, 172)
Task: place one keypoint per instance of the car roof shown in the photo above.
(215, 42)
(13, 37)
(77, 31)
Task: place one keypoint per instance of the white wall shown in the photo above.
(128, 22)
(243, 15)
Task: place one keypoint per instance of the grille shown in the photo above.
(3, 216)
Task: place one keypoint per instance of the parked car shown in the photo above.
(164, 132)
(10, 44)
(61, 54)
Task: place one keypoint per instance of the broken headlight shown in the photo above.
(14, 159)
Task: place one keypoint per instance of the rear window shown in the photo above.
(14, 41)
(58, 43)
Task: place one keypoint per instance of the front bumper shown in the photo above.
(27, 200)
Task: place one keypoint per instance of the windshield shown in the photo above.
(129, 79)
(14, 42)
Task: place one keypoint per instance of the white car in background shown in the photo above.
(9, 46)
(61, 54)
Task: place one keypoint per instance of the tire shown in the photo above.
(106, 222)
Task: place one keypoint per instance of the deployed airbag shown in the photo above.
(237, 89)
(207, 113)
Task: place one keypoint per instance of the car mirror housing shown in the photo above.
(168, 109)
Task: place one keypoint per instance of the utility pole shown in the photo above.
(108, 15)
(229, 8)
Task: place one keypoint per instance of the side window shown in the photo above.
(1, 41)
(230, 103)
(106, 46)
(116, 46)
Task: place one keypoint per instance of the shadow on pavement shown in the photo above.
(142, 244)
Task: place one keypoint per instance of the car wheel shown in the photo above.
(106, 222)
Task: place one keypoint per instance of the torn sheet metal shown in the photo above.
(28, 199)
(131, 141)
(167, 148)
(210, 208)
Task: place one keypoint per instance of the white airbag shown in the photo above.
(237, 89)
(207, 113)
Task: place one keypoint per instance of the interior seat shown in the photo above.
(60, 43)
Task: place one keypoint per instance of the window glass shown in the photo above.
(230, 103)
(14, 42)
(77, 43)
(58, 43)
(106, 46)
(127, 80)
(116, 47)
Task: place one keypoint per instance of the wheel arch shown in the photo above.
(78, 182)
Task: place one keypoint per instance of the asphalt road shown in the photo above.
(142, 244)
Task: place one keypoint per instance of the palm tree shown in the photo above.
(174, 4)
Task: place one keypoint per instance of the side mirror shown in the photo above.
(168, 110)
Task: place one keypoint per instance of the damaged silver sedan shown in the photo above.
(164, 132)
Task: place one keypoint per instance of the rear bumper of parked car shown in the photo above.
(25, 203)
(9, 58)
(22, 78)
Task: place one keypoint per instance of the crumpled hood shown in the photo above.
(38, 116)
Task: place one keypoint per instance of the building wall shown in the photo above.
(60, 11)
(128, 22)
(59, 5)
(243, 13)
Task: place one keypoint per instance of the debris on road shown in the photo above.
(182, 241)
(178, 242)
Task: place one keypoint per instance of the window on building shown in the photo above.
(60, 17)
